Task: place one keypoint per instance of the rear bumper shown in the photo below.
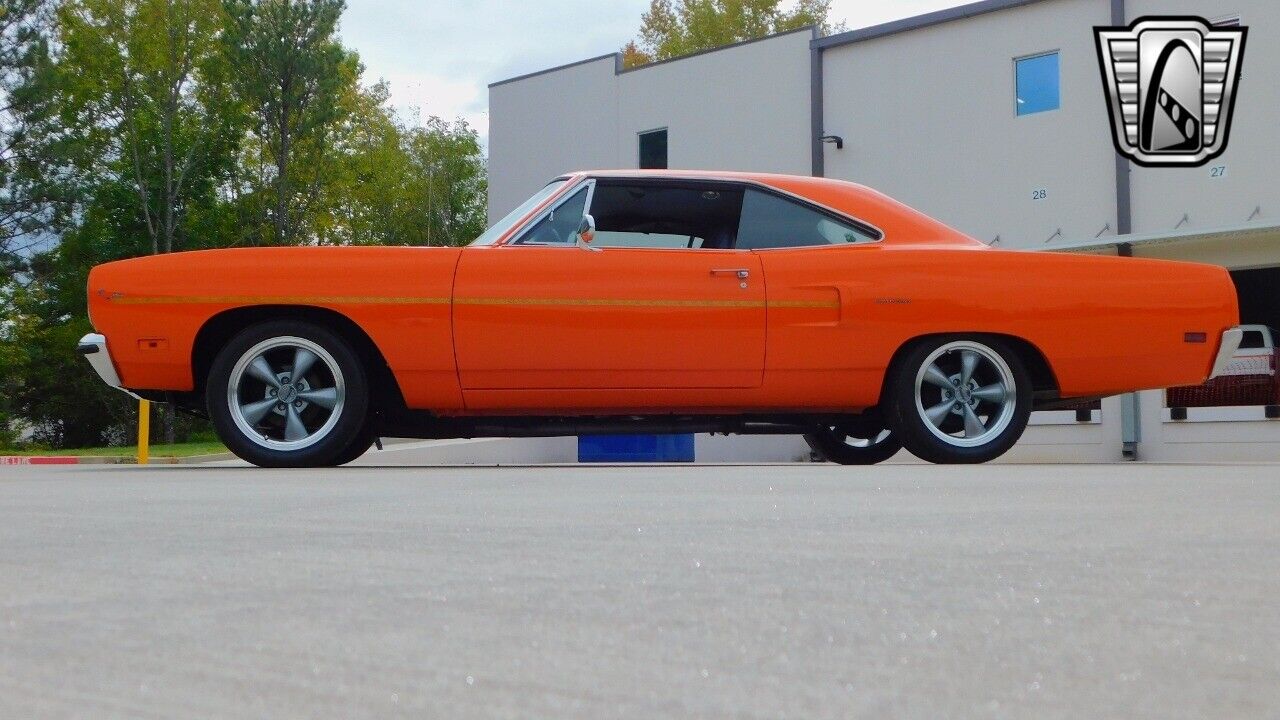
(1231, 339)
(94, 348)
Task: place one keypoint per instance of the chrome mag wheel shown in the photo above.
(965, 393)
(286, 393)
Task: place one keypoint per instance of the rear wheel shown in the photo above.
(852, 446)
(358, 447)
(959, 399)
(288, 394)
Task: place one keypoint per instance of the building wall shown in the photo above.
(549, 124)
(1162, 196)
(744, 107)
(928, 117)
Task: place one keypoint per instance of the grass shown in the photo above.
(187, 449)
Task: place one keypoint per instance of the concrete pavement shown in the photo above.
(1113, 591)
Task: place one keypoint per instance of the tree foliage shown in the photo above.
(147, 82)
(293, 75)
(31, 196)
(394, 184)
(670, 29)
(130, 127)
(55, 395)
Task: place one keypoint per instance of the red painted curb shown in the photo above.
(39, 460)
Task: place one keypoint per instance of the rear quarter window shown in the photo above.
(770, 221)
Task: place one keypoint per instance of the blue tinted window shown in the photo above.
(1037, 81)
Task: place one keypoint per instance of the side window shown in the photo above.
(1036, 82)
(665, 214)
(559, 227)
(769, 221)
(646, 240)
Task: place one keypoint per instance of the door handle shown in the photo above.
(741, 273)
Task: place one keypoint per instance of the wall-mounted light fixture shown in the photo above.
(834, 140)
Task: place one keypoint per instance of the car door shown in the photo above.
(542, 313)
(827, 289)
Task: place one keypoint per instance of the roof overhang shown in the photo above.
(1188, 236)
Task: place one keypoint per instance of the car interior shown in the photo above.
(638, 213)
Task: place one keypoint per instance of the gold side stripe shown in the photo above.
(527, 302)
(278, 300)
(609, 302)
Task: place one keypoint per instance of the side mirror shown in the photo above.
(586, 233)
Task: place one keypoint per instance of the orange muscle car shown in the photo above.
(656, 302)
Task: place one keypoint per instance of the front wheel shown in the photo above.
(288, 394)
(959, 399)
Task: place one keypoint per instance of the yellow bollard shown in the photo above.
(144, 431)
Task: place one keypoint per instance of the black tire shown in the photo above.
(274, 443)
(913, 392)
(358, 448)
(846, 447)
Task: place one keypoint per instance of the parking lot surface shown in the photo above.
(1116, 591)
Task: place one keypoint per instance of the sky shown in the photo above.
(439, 56)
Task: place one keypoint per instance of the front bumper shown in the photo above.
(1231, 339)
(94, 348)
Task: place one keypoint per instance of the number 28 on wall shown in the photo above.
(1039, 194)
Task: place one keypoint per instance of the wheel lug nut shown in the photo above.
(298, 404)
(273, 393)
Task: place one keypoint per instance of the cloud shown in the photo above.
(439, 57)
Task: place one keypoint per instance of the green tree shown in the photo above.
(292, 73)
(449, 170)
(52, 391)
(31, 200)
(395, 184)
(671, 29)
(148, 82)
(360, 199)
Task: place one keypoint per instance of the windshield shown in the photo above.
(491, 235)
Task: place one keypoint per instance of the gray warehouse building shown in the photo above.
(990, 117)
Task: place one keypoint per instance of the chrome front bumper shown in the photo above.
(94, 348)
(1231, 339)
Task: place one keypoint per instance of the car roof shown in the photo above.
(731, 175)
(900, 223)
